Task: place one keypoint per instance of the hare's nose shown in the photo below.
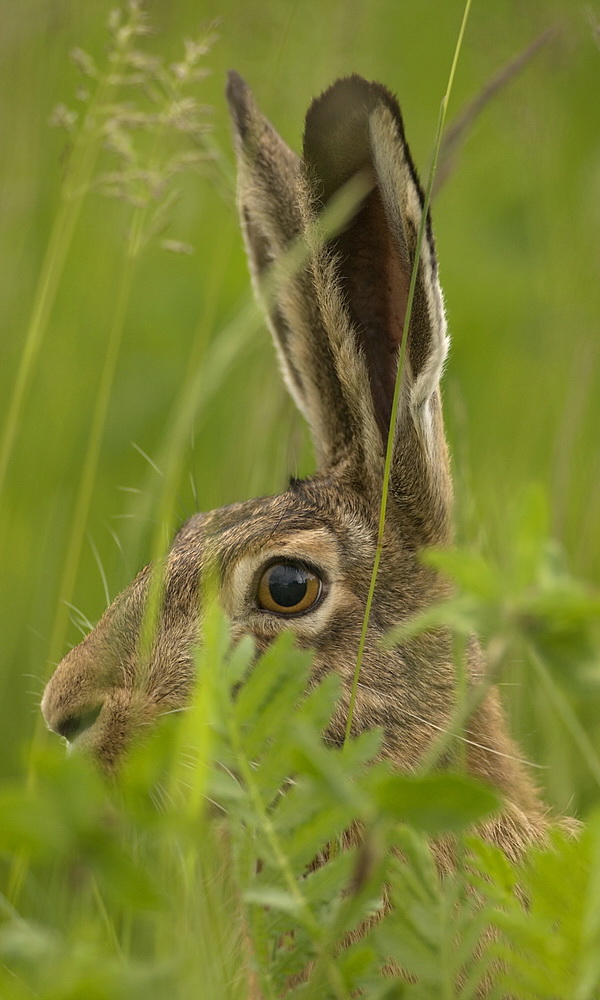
(71, 725)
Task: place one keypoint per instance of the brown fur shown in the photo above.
(337, 322)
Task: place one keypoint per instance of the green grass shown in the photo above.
(128, 378)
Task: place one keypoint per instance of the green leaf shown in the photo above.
(274, 897)
(307, 820)
(268, 674)
(437, 803)
(239, 661)
(462, 614)
(333, 768)
(469, 570)
(272, 724)
(277, 764)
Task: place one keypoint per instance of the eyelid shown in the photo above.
(288, 560)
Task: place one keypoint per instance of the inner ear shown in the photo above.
(375, 284)
(370, 258)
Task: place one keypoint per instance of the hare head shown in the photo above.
(302, 560)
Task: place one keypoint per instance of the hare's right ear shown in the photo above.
(272, 199)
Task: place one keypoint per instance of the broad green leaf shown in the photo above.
(277, 765)
(436, 803)
(469, 570)
(336, 769)
(273, 896)
(266, 676)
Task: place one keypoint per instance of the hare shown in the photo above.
(302, 560)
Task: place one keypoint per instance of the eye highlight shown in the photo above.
(288, 588)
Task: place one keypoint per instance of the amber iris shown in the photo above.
(288, 588)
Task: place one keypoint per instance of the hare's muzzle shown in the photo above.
(86, 703)
(71, 706)
(71, 725)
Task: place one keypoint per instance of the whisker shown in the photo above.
(474, 743)
(35, 694)
(83, 619)
(217, 805)
(80, 628)
(172, 711)
(96, 554)
(190, 760)
(35, 677)
(147, 457)
(34, 631)
(156, 799)
(117, 541)
(465, 739)
(194, 489)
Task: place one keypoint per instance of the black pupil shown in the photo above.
(287, 585)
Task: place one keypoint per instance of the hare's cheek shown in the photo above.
(170, 681)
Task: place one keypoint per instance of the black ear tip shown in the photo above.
(349, 97)
(239, 98)
(235, 84)
(337, 142)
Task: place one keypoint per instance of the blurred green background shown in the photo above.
(518, 232)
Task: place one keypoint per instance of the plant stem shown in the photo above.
(398, 383)
(86, 149)
(90, 465)
(307, 917)
(566, 715)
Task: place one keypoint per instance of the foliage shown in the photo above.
(306, 866)
(239, 844)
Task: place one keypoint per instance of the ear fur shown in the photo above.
(354, 127)
(339, 321)
(273, 216)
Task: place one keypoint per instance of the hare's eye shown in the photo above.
(288, 589)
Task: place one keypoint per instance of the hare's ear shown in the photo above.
(270, 186)
(355, 128)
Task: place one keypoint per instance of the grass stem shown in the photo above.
(385, 487)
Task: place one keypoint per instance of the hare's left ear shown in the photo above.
(356, 128)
